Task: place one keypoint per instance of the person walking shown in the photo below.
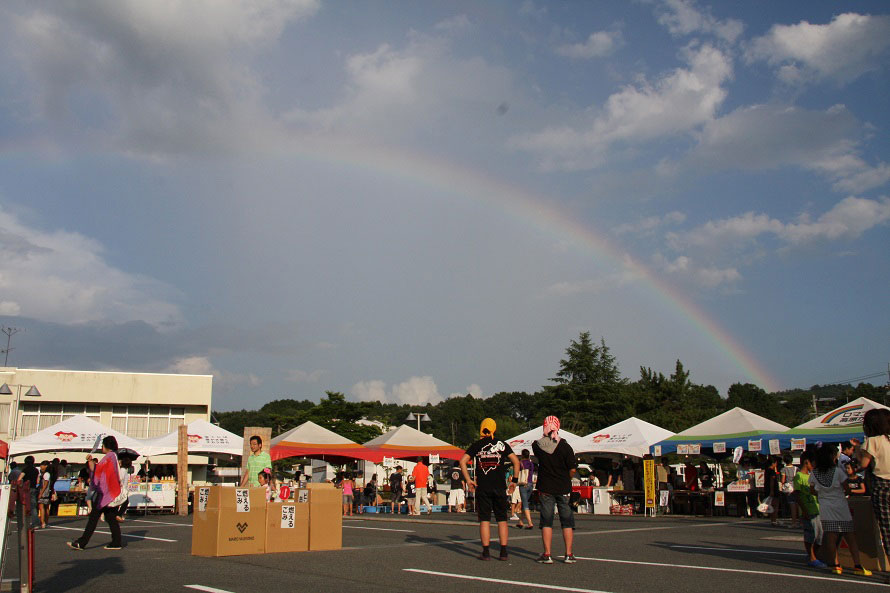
(257, 461)
(829, 481)
(421, 474)
(106, 484)
(489, 455)
(556, 466)
(526, 486)
(875, 453)
(809, 511)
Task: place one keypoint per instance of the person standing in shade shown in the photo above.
(395, 490)
(457, 500)
(489, 455)
(556, 466)
(526, 487)
(106, 482)
(875, 453)
(257, 461)
(421, 474)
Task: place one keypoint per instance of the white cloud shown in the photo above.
(298, 376)
(150, 77)
(649, 224)
(201, 365)
(840, 51)
(64, 277)
(727, 231)
(598, 45)
(679, 102)
(473, 390)
(415, 390)
(705, 276)
(682, 17)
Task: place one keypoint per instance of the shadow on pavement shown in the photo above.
(78, 572)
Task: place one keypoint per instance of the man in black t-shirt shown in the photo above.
(489, 455)
(395, 490)
(457, 501)
(556, 466)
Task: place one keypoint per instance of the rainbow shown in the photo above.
(530, 209)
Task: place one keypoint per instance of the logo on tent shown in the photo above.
(194, 438)
(847, 415)
(65, 437)
(599, 438)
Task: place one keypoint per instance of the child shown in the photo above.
(829, 480)
(265, 479)
(410, 493)
(809, 511)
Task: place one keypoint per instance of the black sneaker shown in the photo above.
(544, 559)
(570, 559)
(112, 546)
(503, 557)
(75, 545)
(484, 556)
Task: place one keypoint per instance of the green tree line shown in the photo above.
(587, 393)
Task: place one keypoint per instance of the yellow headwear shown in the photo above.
(489, 425)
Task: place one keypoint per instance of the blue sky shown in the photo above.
(409, 200)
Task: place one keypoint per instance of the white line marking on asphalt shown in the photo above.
(503, 581)
(740, 550)
(205, 588)
(157, 539)
(377, 528)
(715, 568)
(159, 522)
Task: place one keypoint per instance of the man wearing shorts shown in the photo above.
(488, 455)
(456, 498)
(556, 466)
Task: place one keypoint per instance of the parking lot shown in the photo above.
(619, 555)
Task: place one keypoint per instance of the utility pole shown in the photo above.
(9, 331)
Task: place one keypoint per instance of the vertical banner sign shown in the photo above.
(755, 446)
(656, 450)
(774, 447)
(798, 444)
(434, 459)
(719, 498)
(242, 500)
(203, 496)
(664, 498)
(649, 482)
(288, 512)
(759, 478)
(719, 447)
(695, 449)
(303, 496)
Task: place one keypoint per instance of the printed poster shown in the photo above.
(649, 482)
(719, 498)
(203, 497)
(288, 514)
(663, 498)
(755, 446)
(389, 461)
(719, 447)
(774, 448)
(303, 496)
(759, 478)
(695, 449)
(656, 450)
(242, 500)
(798, 444)
(434, 459)
(682, 449)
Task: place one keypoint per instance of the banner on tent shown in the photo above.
(389, 461)
(695, 449)
(774, 448)
(434, 459)
(682, 449)
(759, 478)
(656, 450)
(719, 447)
(755, 446)
(798, 444)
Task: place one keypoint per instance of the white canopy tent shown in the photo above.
(204, 438)
(77, 433)
(629, 437)
(525, 440)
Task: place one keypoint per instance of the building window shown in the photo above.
(145, 422)
(4, 417)
(39, 416)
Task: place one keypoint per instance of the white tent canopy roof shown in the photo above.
(628, 437)
(849, 414)
(405, 436)
(204, 437)
(311, 433)
(525, 440)
(77, 433)
(734, 421)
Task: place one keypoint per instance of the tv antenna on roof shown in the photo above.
(9, 331)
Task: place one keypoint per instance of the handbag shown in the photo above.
(766, 507)
(523, 477)
(787, 488)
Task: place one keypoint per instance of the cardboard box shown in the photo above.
(325, 516)
(228, 521)
(868, 536)
(287, 524)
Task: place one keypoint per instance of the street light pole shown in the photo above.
(5, 390)
(419, 417)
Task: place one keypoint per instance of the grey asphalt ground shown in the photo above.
(616, 555)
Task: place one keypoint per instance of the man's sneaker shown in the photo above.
(503, 556)
(514, 518)
(75, 545)
(544, 559)
(570, 559)
(816, 564)
(484, 556)
(112, 546)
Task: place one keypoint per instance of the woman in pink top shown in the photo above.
(348, 486)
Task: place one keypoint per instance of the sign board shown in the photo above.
(203, 497)
(656, 450)
(303, 496)
(284, 492)
(755, 446)
(774, 448)
(719, 498)
(389, 461)
(434, 459)
(288, 513)
(663, 498)
(798, 444)
(759, 478)
(649, 482)
(242, 500)
(682, 449)
(695, 449)
(719, 447)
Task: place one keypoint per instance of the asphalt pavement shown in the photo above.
(438, 553)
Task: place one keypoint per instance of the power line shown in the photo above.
(859, 379)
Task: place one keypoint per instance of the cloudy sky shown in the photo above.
(409, 200)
